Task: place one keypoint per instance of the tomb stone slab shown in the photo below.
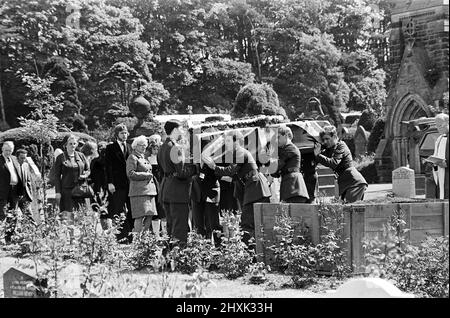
(404, 182)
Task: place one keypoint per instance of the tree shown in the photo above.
(65, 84)
(368, 119)
(257, 99)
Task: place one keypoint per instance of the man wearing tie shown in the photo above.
(116, 155)
(10, 188)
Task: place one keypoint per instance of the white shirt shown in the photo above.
(12, 171)
(439, 175)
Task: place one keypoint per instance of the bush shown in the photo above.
(367, 119)
(146, 251)
(234, 257)
(365, 164)
(376, 135)
(257, 99)
(198, 254)
(422, 270)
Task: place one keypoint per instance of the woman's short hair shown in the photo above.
(328, 130)
(139, 140)
(155, 140)
(69, 137)
(89, 149)
(284, 130)
(21, 151)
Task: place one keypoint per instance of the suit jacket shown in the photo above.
(205, 185)
(250, 185)
(292, 183)
(26, 181)
(115, 162)
(176, 183)
(339, 158)
(139, 171)
(5, 177)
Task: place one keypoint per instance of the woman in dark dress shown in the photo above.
(338, 157)
(71, 167)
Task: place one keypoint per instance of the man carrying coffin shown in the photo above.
(292, 188)
(250, 185)
(176, 183)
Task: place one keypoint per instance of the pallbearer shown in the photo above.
(338, 157)
(292, 188)
(250, 185)
(176, 183)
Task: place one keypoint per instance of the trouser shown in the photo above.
(177, 215)
(142, 223)
(119, 202)
(354, 194)
(205, 217)
(296, 199)
(248, 220)
(311, 184)
(7, 209)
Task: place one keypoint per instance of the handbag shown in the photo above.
(83, 191)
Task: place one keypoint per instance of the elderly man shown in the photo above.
(10, 187)
(441, 150)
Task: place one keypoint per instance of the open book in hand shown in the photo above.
(434, 160)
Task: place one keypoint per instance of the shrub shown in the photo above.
(234, 257)
(367, 119)
(257, 99)
(145, 251)
(376, 135)
(422, 270)
(365, 164)
(197, 254)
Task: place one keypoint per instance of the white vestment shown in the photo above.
(439, 175)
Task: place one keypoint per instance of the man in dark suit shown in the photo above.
(176, 183)
(116, 155)
(10, 188)
(292, 187)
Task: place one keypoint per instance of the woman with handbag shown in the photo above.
(71, 172)
(143, 189)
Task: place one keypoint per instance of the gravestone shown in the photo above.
(369, 287)
(404, 182)
(361, 139)
(16, 284)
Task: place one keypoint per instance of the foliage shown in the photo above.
(257, 99)
(257, 273)
(197, 254)
(365, 164)
(234, 257)
(422, 270)
(376, 135)
(368, 119)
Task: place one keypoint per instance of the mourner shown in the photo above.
(159, 222)
(292, 187)
(250, 185)
(176, 183)
(338, 157)
(12, 188)
(441, 150)
(142, 186)
(116, 155)
(25, 174)
(71, 168)
(205, 198)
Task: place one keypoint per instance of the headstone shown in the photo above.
(404, 182)
(361, 138)
(16, 284)
(368, 287)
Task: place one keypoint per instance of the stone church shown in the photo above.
(419, 61)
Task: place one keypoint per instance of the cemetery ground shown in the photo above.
(145, 281)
